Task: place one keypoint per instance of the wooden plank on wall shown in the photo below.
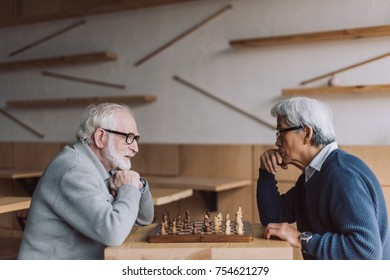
(6, 155)
(34, 155)
(332, 35)
(376, 157)
(157, 159)
(34, 8)
(7, 10)
(59, 60)
(80, 101)
(337, 90)
(229, 201)
(224, 161)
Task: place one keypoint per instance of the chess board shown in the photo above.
(185, 235)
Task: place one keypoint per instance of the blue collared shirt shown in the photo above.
(318, 160)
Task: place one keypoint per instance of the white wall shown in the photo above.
(251, 79)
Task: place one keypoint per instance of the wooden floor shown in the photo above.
(9, 248)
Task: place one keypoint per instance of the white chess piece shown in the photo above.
(227, 228)
(219, 219)
(240, 228)
(216, 224)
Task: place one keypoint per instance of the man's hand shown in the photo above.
(124, 177)
(283, 231)
(271, 160)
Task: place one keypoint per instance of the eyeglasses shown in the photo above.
(279, 132)
(130, 137)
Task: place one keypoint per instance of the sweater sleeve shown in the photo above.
(274, 207)
(146, 207)
(87, 207)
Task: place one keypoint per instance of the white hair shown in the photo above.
(304, 111)
(98, 115)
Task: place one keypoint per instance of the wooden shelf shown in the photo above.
(16, 12)
(82, 101)
(337, 90)
(59, 60)
(356, 33)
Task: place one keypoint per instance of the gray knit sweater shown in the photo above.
(73, 215)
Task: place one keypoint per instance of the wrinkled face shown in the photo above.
(289, 143)
(117, 152)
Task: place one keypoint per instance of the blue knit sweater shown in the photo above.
(343, 205)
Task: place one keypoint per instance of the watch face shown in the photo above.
(305, 236)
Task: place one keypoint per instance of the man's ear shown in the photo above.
(99, 138)
(308, 134)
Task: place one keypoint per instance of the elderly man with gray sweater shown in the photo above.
(88, 197)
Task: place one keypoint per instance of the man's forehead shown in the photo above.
(125, 120)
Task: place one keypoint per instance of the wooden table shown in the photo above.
(13, 203)
(136, 247)
(163, 196)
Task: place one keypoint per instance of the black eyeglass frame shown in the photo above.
(284, 130)
(130, 137)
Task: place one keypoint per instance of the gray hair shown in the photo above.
(303, 111)
(98, 115)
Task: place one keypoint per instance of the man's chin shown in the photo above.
(125, 165)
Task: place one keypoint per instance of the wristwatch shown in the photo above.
(305, 238)
(143, 181)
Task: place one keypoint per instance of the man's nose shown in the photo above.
(134, 146)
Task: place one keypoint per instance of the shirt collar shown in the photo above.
(318, 160)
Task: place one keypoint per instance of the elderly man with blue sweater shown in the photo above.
(337, 203)
(88, 197)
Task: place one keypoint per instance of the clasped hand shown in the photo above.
(124, 177)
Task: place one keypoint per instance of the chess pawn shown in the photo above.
(194, 229)
(174, 225)
(216, 224)
(162, 229)
(165, 219)
(227, 228)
